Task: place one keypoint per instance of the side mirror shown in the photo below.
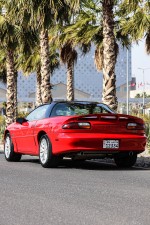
(21, 120)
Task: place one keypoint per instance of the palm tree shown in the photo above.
(43, 15)
(12, 36)
(68, 56)
(31, 63)
(109, 54)
(95, 24)
(8, 44)
(49, 13)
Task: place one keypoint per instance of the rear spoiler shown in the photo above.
(105, 116)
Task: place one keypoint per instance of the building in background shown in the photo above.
(87, 79)
(59, 92)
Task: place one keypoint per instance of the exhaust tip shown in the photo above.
(131, 153)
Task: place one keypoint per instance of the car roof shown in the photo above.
(71, 102)
(83, 102)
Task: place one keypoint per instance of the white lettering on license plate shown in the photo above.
(110, 143)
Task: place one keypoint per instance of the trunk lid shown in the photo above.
(108, 123)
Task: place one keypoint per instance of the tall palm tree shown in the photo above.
(68, 56)
(31, 63)
(43, 15)
(95, 24)
(48, 12)
(109, 54)
(10, 86)
(8, 33)
(12, 36)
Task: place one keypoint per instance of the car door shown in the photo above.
(24, 136)
(25, 133)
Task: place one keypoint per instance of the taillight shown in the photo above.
(135, 126)
(77, 125)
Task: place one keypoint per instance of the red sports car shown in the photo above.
(78, 130)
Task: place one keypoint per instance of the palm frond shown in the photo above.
(137, 25)
(68, 54)
(2, 66)
(129, 6)
(85, 48)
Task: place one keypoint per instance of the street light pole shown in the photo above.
(143, 69)
(127, 81)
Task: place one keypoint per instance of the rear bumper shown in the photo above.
(76, 142)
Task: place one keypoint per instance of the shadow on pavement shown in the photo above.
(142, 164)
(85, 165)
(95, 165)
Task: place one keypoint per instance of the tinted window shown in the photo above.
(62, 109)
(67, 109)
(37, 114)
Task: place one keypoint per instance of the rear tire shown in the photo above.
(124, 160)
(47, 159)
(9, 153)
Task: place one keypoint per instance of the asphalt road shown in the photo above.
(73, 194)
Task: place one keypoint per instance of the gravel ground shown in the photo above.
(144, 159)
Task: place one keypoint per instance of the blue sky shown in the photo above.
(140, 59)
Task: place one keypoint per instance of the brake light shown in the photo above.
(77, 125)
(135, 126)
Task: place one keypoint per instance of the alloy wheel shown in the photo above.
(43, 151)
(7, 147)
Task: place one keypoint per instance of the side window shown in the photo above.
(62, 109)
(37, 114)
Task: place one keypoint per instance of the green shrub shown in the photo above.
(146, 119)
(22, 114)
(2, 127)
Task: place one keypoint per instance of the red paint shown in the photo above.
(25, 136)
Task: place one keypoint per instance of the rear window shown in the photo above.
(67, 109)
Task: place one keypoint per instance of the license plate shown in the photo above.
(110, 143)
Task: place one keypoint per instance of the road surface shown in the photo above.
(91, 193)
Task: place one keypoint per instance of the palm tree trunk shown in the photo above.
(109, 55)
(10, 88)
(45, 68)
(15, 96)
(38, 88)
(70, 81)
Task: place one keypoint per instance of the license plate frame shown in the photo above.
(110, 144)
